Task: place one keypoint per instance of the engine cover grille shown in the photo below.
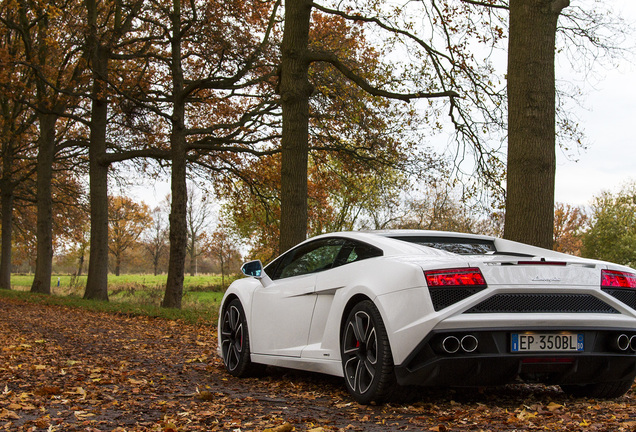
(542, 303)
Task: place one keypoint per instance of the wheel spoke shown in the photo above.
(351, 371)
(364, 376)
(233, 358)
(235, 316)
(372, 347)
(238, 338)
(351, 342)
(361, 327)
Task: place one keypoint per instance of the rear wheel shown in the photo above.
(366, 355)
(607, 390)
(235, 341)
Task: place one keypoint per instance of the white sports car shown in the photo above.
(390, 308)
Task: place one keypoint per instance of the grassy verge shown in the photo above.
(131, 295)
(191, 283)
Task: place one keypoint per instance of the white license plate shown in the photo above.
(546, 342)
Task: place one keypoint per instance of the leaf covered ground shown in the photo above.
(67, 369)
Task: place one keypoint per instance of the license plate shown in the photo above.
(546, 342)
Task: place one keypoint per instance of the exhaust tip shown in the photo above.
(623, 342)
(451, 344)
(469, 343)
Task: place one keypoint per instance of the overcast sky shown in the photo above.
(608, 120)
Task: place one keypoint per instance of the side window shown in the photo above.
(356, 251)
(309, 258)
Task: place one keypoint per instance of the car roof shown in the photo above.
(429, 233)
(384, 239)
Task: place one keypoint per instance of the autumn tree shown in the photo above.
(155, 239)
(210, 63)
(127, 221)
(443, 72)
(612, 233)
(535, 124)
(17, 135)
(362, 151)
(112, 32)
(531, 121)
(221, 245)
(439, 209)
(53, 70)
(570, 223)
(197, 219)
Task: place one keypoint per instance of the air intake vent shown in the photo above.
(542, 303)
(627, 296)
(444, 297)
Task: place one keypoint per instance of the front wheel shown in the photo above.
(366, 355)
(235, 341)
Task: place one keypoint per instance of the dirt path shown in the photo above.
(64, 369)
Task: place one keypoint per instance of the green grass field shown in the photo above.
(132, 294)
(193, 283)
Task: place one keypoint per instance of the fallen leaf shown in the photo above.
(8, 414)
(285, 427)
(552, 407)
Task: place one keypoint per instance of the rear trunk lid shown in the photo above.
(539, 272)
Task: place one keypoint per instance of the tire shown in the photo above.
(367, 362)
(606, 390)
(235, 341)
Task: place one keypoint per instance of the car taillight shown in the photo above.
(455, 277)
(617, 279)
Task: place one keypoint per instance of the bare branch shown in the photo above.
(363, 84)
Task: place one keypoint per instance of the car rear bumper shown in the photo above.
(493, 363)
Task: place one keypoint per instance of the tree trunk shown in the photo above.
(531, 121)
(44, 230)
(178, 234)
(80, 264)
(7, 223)
(179, 189)
(193, 259)
(295, 90)
(222, 272)
(117, 265)
(97, 280)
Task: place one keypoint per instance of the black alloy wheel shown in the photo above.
(366, 355)
(235, 342)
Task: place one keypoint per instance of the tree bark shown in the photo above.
(80, 262)
(97, 280)
(295, 90)
(44, 230)
(178, 219)
(531, 121)
(178, 234)
(7, 220)
(193, 257)
(117, 265)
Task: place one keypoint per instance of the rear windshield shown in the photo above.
(461, 246)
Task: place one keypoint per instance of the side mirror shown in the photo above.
(253, 268)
